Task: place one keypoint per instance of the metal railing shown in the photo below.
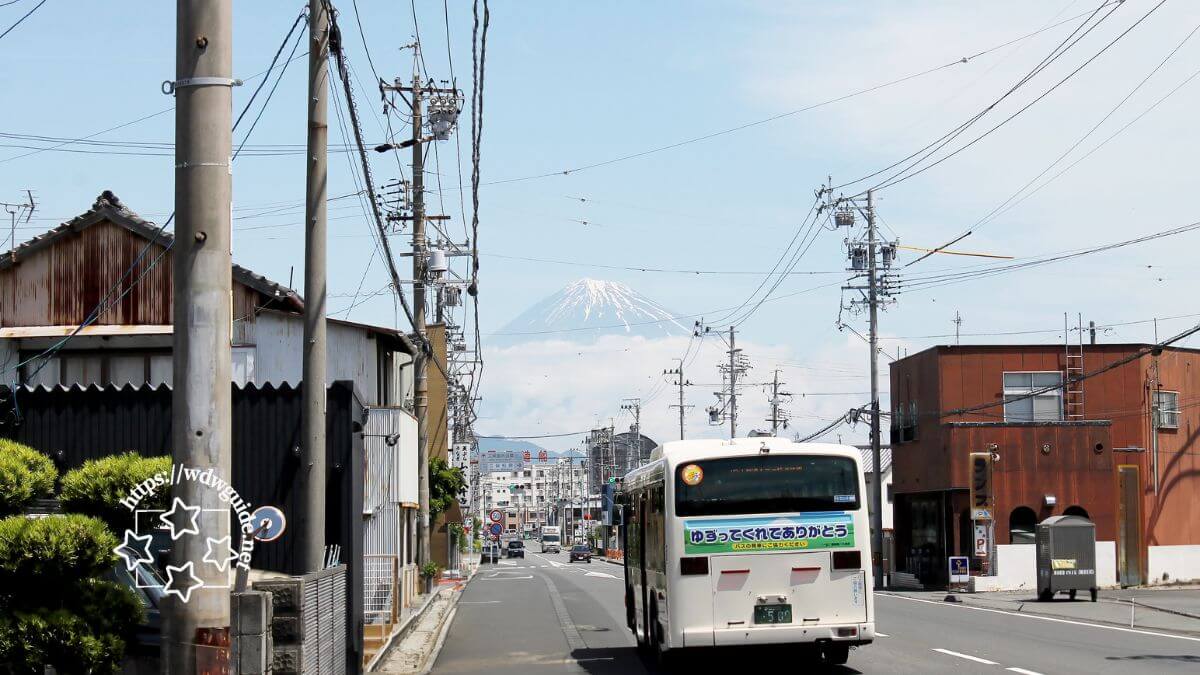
(381, 588)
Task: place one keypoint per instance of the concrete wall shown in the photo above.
(1173, 563)
(351, 354)
(887, 505)
(1016, 568)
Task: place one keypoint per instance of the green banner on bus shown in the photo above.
(803, 532)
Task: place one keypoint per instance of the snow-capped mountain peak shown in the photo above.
(589, 308)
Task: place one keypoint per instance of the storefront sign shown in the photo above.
(805, 532)
(981, 486)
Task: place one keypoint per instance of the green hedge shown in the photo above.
(97, 487)
(25, 475)
(53, 609)
(61, 548)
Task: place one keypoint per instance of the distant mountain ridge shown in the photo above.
(590, 308)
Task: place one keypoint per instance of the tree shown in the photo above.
(445, 482)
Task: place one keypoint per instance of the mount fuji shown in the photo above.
(590, 308)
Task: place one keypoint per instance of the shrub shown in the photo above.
(53, 612)
(97, 487)
(430, 569)
(41, 554)
(25, 475)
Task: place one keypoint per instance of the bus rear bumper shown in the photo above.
(851, 633)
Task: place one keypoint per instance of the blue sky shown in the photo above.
(571, 83)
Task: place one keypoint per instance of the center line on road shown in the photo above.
(968, 657)
(1023, 671)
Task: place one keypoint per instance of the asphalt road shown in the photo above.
(545, 615)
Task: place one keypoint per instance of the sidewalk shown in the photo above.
(414, 651)
(1175, 610)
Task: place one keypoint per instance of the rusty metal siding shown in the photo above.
(60, 284)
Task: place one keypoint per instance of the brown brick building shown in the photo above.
(1085, 448)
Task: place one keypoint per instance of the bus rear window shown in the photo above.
(766, 484)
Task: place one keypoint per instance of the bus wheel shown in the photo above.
(663, 657)
(835, 654)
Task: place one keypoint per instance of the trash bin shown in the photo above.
(1066, 556)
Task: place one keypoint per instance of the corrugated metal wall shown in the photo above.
(390, 481)
(75, 425)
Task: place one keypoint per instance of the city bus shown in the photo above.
(748, 542)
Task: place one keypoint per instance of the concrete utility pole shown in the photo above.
(778, 414)
(421, 395)
(681, 383)
(312, 412)
(877, 484)
(633, 455)
(733, 373)
(196, 633)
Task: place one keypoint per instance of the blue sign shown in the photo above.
(959, 571)
(269, 523)
(496, 529)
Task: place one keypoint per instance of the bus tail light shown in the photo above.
(847, 560)
(693, 566)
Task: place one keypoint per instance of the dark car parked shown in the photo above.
(581, 552)
(516, 549)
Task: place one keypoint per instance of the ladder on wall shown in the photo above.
(1073, 391)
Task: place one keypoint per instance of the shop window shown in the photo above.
(1022, 523)
(1044, 406)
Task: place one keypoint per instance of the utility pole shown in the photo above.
(732, 384)
(633, 456)
(873, 258)
(196, 633)
(958, 320)
(877, 484)
(779, 416)
(421, 394)
(681, 383)
(312, 412)
(442, 119)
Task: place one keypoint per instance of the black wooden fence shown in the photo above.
(77, 424)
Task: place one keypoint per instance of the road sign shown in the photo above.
(959, 572)
(496, 529)
(269, 523)
(495, 516)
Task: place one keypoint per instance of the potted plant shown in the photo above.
(430, 571)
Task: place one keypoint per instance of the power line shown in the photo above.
(18, 23)
(663, 270)
(837, 99)
(902, 176)
(937, 144)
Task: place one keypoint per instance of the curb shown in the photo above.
(614, 562)
(400, 633)
(443, 631)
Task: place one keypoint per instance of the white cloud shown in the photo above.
(557, 386)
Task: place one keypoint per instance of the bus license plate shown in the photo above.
(772, 614)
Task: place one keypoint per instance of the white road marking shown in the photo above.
(1023, 671)
(878, 634)
(553, 563)
(968, 657)
(959, 605)
(479, 602)
(505, 562)
(599, 574)
(500, 578)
